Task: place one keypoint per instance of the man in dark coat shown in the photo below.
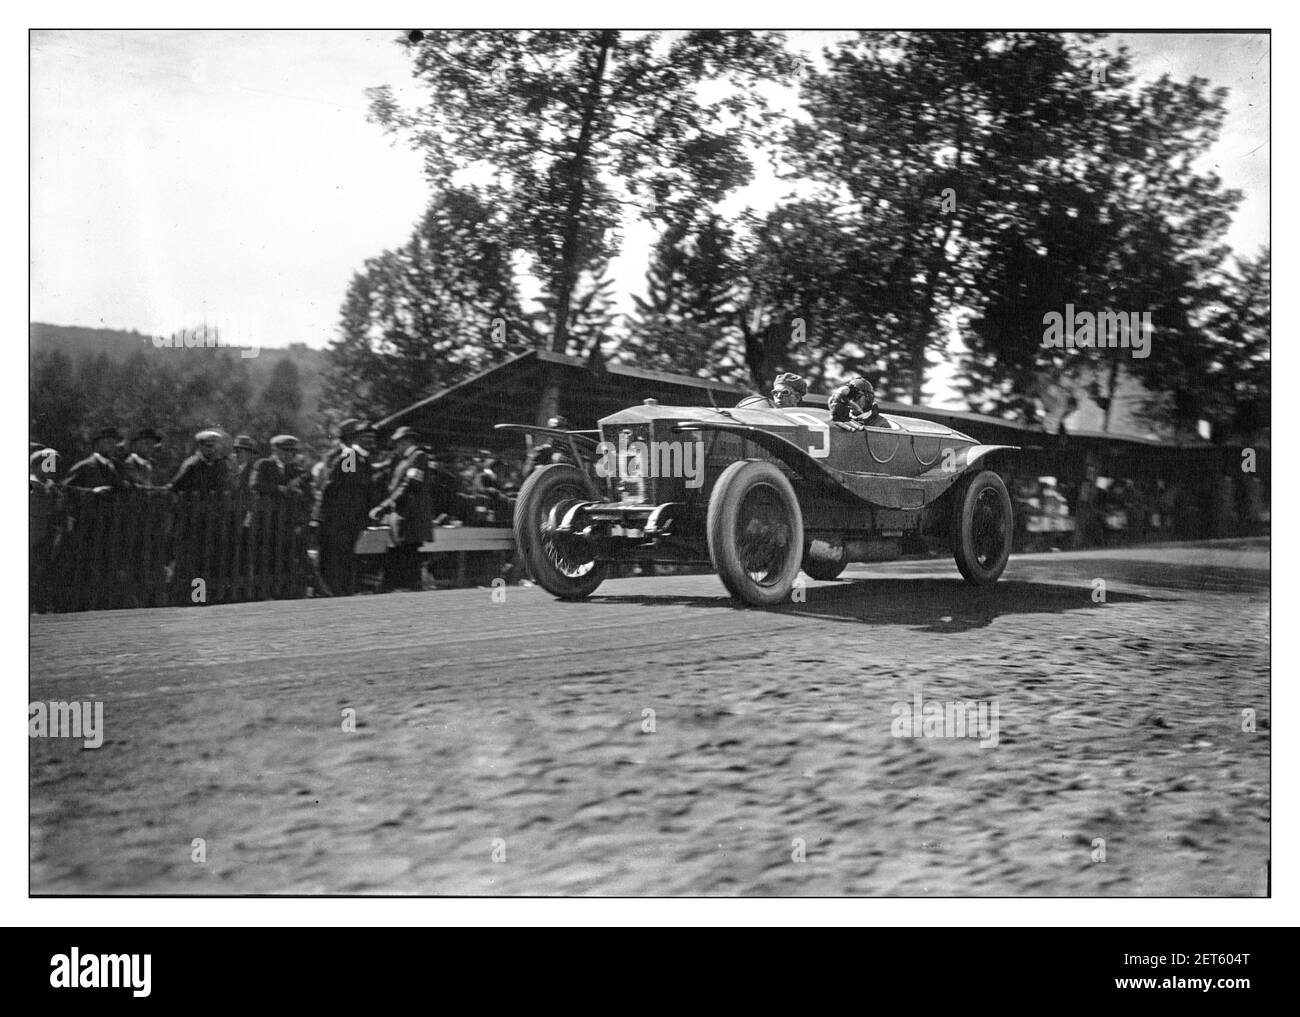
(201, 479)
(279, 473)
(241, 478)
(138, 467)
(206, 471)
(279, 478)
(409, 506)
(340, 513)
(101, 471)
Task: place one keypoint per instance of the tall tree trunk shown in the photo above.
(1111, 385)
(569, 252)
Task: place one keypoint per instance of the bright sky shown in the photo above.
(233, 177)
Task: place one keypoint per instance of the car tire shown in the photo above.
(544, 489)
(982, 528)
(755, 532)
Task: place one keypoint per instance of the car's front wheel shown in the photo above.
(755, 532)
(558, 564)
(982, 528)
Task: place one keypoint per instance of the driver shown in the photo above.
(787, 390)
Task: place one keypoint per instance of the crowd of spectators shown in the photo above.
(323, 502)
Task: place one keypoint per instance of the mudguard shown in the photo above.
(881, 489)
(581, 443)
(584, 438)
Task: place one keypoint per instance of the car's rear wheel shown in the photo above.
(559, 566)
(982, 525)
(755, 532)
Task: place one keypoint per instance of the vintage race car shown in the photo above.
(759, 493)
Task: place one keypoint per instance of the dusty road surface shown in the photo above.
(506, 748)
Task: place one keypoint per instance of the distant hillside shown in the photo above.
(76, 341)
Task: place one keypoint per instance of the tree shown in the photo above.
(430, 313)
(687, 322)
(1116, 219)
(922, 142)
(280, 404)
(574, 126)
(993, 178)
(1224, 376)
(57, 409)
(813, 300)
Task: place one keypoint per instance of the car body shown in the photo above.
(759, 492)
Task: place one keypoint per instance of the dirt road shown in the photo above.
(506, 748)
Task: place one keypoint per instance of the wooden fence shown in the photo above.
(145, 548)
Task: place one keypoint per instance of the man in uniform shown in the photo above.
(854, 404)
(340, 511)
(787, 390)
(410, 504)
(101, 471)
(206, 471)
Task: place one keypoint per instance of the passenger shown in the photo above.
(788, 390)
(854, 403)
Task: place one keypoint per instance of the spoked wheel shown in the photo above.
(755, 532)
(559, 565)
(982, 527)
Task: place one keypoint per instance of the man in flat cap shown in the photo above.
(410, 507)
(202, 477)
(788, 390)
(138, 466)
(101, 471)
(340, 513)
(206, 471)
(854, 404)
(279, 473)
(246, 454)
